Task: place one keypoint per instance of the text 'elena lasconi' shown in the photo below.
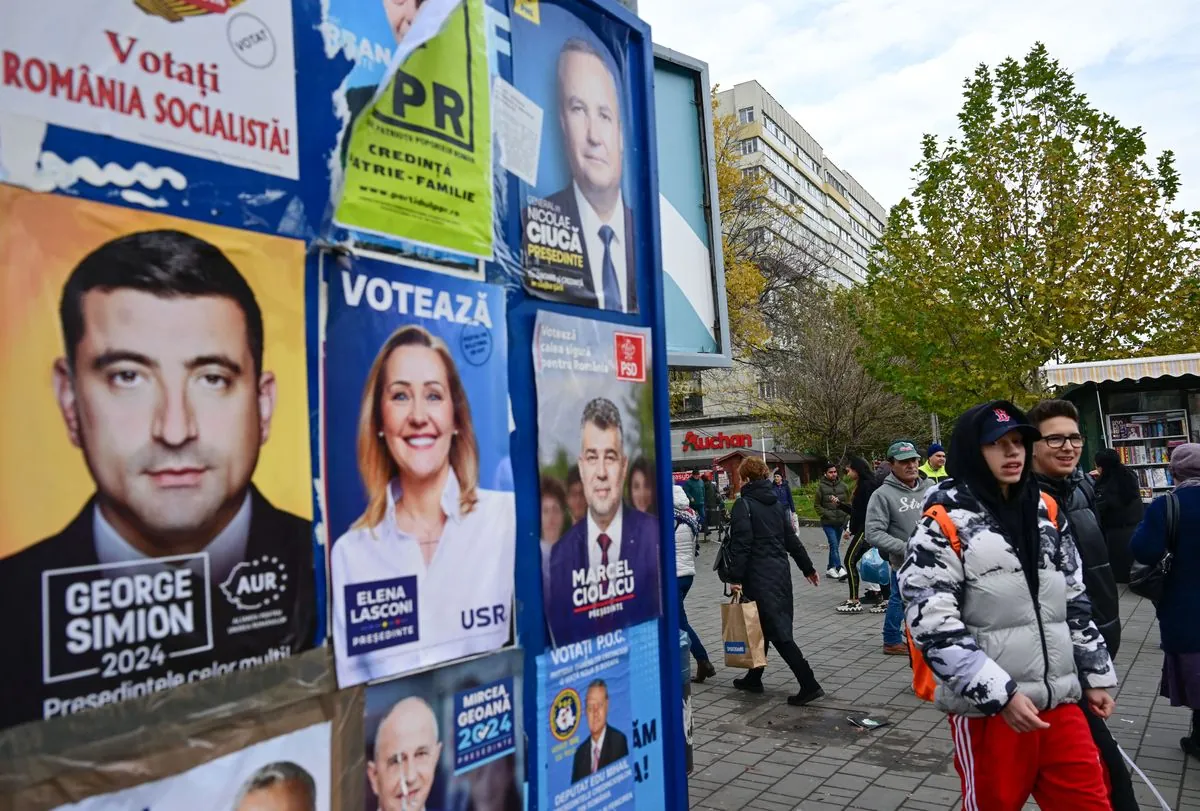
(413, 299)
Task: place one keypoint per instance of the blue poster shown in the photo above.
(600, 537)
(580, 218)
(599, 710)
(448, 738)
(417, 474)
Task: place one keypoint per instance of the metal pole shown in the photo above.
(935, 428)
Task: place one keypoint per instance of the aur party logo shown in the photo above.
(255, 584)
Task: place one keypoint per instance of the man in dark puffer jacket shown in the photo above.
(1055, 461)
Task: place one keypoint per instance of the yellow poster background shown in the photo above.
(43, 479)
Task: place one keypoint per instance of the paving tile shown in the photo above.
(797, 786)
(878, 798)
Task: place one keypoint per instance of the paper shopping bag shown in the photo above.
(741, 633)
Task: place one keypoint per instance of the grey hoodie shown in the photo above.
(892, 515)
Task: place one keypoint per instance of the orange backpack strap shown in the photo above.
(938, 513)
(924, 684)
(1051, 507)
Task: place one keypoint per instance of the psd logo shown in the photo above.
(255, 584)
(177, 10)
(631, 357)
(565, 712)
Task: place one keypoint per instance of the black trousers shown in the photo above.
(858, 548)
(791, 654)
(1122, 798)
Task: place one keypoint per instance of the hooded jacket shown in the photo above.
(1076, 496)
(761, 538)
(986, 624)
(892, 514)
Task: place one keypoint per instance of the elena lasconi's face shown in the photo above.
(166, 404)
(417, 412)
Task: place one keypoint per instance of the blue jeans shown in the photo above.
(698, 651)
(834, 536)
(893, 620)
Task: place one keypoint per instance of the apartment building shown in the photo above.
(715, 427)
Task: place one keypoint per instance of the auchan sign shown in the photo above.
(716, 442)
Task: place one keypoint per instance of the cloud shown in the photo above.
(867, 78)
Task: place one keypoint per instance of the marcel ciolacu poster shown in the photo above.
(418, 478)
(416, 158)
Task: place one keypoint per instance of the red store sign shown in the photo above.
(717, 442)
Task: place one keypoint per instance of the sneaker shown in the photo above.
(879, 608)
(748, 684)
(704, 669)
(871, 597)
(899, 649)
(832, 573)
(802, 698)
(849, 607)
(842, 573)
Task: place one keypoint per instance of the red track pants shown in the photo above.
(1000, 768)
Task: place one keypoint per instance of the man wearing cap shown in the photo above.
(892, 515)
(934, 468)
(694, 488)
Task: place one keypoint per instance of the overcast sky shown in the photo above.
(867, 78)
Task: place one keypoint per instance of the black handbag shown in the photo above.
(1149, 581)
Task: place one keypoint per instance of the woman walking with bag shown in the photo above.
(687, 529)
(761, 538)
(1119, 507)
(864, 485)
(1180, 602)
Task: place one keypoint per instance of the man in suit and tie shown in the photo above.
(604, 570)
(604, 745)
(590, 214)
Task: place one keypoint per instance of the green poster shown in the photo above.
(419, 164)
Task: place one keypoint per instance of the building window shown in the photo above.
(746, 115)
(749, 146)
(767, 390)
(837, 184)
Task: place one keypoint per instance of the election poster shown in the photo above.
(418, 477)
(287, 773)
(599, 723)
(450, 738)
(155, 514)
(214, 79)
(596, 444)
(580, 214)
(416, 158)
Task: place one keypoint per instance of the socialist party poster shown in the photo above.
(596, 448)
(599, 723)
(449, 738)
(287, 773)
(155, 517)
(417, 471)
(208, 78)
(580, 215)
(416, 159)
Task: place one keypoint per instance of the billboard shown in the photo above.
(694, 275)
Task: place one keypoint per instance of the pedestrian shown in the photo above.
(892, 514)
(783, 492)
(860, 472)
(935, 463)
(1056, 465)
(998, 611)
(1056, 469)
(687, 529)
(713, 507)
(761, 539)
(695, 493)
(1180, 603)
(882, 471)
(832, 501)
(1119, 507)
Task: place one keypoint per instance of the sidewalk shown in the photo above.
(756, 752)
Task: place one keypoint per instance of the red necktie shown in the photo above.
(604, 542)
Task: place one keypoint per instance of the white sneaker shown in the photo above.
(831, 573)
(842, 573)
